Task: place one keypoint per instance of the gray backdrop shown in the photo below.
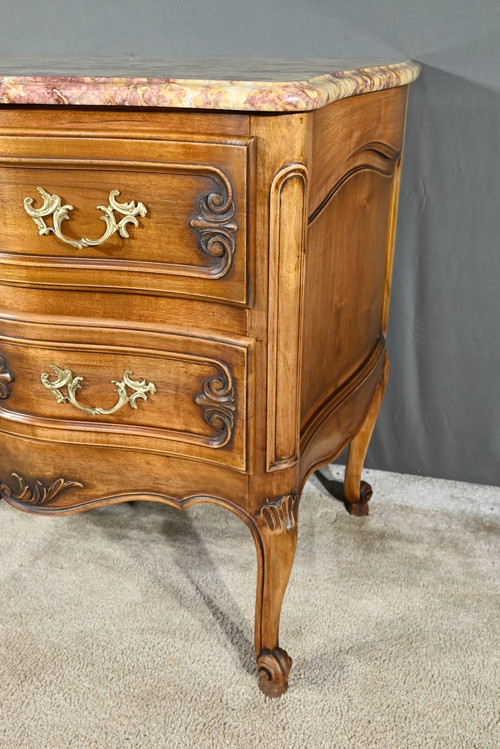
(441, 415)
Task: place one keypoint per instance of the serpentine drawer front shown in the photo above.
(158, 215)
(162, 392)
(195, 267)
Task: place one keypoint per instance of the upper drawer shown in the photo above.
(189, 237)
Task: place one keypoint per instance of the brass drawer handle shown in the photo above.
(52, 205)
(64, 378)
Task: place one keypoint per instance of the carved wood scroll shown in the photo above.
(218, 401)
(6, 378)
(216, 228)
(36, 492)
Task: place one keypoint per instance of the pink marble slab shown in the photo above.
(240, 84)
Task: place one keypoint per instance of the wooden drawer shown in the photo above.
(47, 477)
(192, 239)
(118, 387)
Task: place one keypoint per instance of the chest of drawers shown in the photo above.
(195, 277)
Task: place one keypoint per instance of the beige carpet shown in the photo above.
(131, 626)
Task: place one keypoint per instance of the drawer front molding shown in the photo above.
(6, 378)
(52, 206)
(196, 230)
(36, 492)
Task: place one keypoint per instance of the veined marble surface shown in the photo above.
(229, 83)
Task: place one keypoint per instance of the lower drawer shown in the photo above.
(117, 387)
(46, 477)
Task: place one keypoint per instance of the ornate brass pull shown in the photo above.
(52, 205)
(64, 378)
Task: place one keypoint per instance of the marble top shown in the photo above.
(229, 83)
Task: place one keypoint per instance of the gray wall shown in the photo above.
(441, 415)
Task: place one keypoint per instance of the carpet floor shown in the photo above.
(131, 626)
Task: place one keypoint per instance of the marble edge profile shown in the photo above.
(254, 96)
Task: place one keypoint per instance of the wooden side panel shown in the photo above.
(346, 265)
(356, 159)
(346, 126)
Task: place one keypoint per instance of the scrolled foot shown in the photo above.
(273, 667)
(360, 507)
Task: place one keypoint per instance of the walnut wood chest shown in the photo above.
(195, 265)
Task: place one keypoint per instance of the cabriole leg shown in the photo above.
(275, 539)
(358, 493)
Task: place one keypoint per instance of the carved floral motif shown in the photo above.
(36, 493)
